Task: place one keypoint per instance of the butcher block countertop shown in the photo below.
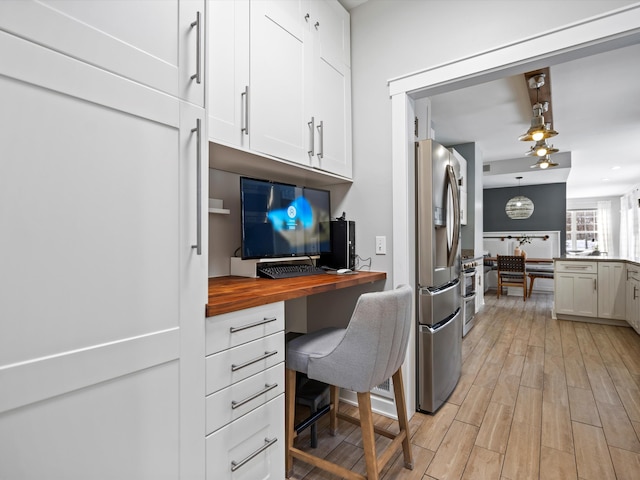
(229, 294)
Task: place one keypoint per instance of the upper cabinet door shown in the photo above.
(277, 122)
(153, 43)
(228, 75)
(330, 86)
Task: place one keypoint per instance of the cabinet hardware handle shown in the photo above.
(311, 125)
(635, 292)
(306, 18)
(321, 132)
(595, 284)
(317, 24)
(251, 325)
(239, 403)
(198, 61)
(198, 245)
(245, 95)
(235, 368)
(267, 443)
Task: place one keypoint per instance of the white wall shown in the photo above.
(395, 37)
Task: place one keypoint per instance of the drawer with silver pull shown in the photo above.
(240, 398)
(235, 364)
(235, 328)
(251, 447)
(577, 266)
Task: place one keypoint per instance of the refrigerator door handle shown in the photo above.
(438, 291)
(441, 325)
(455, 194)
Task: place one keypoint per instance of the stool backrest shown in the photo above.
(374, 345)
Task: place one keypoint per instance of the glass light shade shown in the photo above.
(519, 208)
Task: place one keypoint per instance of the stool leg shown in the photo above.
(368, 437)
(314, 431)
(401, 408)
(289, 416)
(333, 418)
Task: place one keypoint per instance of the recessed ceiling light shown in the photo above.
(606, 179)
(617, 167)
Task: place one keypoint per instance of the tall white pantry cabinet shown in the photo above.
(102, 293)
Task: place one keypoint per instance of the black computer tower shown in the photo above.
(343, 245)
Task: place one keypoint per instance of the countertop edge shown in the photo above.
(230, 294)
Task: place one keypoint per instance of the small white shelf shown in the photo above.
(215, 206)
(223, 211)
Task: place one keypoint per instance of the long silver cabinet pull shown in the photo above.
(235, 368)
(251, 325)
(239, 403)
(321, 132)
(198, 245)
(198, 61)
(312, 127)
(245, 95)
(267, 443)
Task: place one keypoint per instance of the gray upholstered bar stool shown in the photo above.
(365, 354)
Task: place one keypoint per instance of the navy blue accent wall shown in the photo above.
(549, 213)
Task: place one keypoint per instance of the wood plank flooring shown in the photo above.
(538, 399)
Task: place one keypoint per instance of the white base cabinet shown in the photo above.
(611, 290)
(633, 297)
(245, 394)
(251, 448)
(576, 288)
(591, 289)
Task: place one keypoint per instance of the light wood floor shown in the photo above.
(538, 399)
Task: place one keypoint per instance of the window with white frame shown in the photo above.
(582, 229)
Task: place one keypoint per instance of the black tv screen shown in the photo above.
(282, 220)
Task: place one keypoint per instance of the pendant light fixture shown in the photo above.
(539, 130)
(519, 207)
(540, 149)
(544, 163)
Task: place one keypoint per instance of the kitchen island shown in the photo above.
(597, 289)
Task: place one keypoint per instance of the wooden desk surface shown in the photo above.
(229, 294)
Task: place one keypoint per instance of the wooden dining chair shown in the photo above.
(512, 273)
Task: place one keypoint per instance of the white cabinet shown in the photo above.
(245, 393)
(281, 80)
(278, 125)
(152, 43)
(330, 79)
(633, 297)
(576, 288)
(228, 75)
(611, 290)
(101, 292)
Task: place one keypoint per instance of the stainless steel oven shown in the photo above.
(469, 284)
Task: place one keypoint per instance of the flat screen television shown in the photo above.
(282, 220)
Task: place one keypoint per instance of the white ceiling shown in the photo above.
(596, 110)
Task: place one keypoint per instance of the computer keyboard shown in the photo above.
(288, 270)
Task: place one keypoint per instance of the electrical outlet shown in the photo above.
(381, 245)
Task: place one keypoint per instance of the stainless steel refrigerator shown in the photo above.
(439, 315)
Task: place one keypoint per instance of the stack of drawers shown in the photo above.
(244, 388)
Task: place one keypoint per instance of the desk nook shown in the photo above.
(245, 351)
